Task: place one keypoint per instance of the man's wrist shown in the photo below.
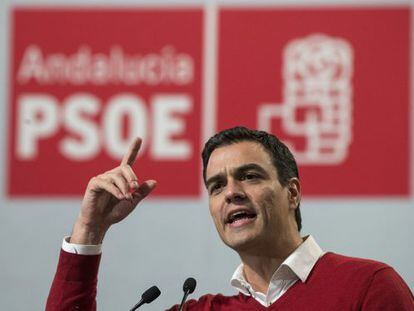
(87, 235)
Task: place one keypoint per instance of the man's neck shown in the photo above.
(260, 265)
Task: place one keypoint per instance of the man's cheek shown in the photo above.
(267, 198)
(211, 207)
(269, 202)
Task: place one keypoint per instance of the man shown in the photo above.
(254, 196)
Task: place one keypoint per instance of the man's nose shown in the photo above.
(234, 192)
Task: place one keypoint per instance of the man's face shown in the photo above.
(248, 204)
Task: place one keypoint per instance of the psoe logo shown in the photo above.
(317, 99)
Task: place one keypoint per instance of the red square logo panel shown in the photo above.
(85, 82)
(332, 83)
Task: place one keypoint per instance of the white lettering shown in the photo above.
(167, 126)
(37, 117)
(121, 108)
(84, 127)
(31, 65)
(164, 67)
(76, 107)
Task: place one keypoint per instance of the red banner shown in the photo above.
(85, 82)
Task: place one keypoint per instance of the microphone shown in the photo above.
(188, 288)
(148, 296)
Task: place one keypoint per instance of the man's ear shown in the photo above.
(294, 192)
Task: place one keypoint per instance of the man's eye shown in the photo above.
(215, 188)
(250, 176)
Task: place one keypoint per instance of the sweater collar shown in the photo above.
(297, 266)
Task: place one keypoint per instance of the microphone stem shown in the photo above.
(183, 300)
(139, 304)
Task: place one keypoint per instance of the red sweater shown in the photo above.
(335, 283)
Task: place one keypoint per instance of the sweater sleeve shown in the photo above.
(388, 291)
(74, 284)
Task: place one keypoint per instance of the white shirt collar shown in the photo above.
(297, 266)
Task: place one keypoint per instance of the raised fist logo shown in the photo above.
(317, 100)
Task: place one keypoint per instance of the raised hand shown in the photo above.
(109, 198)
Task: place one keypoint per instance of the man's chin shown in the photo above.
(241, 244)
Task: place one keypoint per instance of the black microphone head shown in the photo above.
(150, 294)
(189, 285)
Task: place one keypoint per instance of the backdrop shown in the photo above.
(332, 79)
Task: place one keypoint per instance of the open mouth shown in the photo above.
(240, 217)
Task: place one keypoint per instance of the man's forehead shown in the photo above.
(236, 155)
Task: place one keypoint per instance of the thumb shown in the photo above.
(143, 190)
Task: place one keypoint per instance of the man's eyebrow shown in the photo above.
(214, 178)
(237, 170)
(251, 166)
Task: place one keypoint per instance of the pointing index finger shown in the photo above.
(131, 155)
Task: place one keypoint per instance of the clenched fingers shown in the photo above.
(128, 173)
(98, 184)
(119, 181)
(124, 177)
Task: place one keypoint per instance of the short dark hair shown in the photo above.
(282, 158)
